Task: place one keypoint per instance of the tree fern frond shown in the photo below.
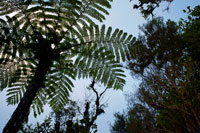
(64, 33)
(63, 12)
(16, 71)
(117, 43)
(99, 64)
(58, 84)
(98, 51)
(18, 80)
(15, 93)
(39, 102)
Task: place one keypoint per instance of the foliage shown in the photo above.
(73, 118)
(120, 124)
(68, 37)
(46, 44)
(165, 57)
(138, 118)
(147, 7)
(44, 127)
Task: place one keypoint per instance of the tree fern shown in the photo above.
(46, 44)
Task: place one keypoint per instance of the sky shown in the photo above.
(124, 17)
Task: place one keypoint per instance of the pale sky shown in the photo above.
(121, 16)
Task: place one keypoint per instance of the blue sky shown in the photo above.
(121, 16)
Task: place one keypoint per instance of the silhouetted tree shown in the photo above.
(73, 118)
(165, 57)
(120, 124)
(169, 67)
(147, 7)
(45, 44)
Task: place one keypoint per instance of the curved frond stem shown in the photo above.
(80, 15)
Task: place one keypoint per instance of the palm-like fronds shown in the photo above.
(80, 48)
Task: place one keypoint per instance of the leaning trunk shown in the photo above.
(22, 110)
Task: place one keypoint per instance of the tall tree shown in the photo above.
(120, 124)
(169, 68)
(47, 43)
(138, 118)
(166, 58)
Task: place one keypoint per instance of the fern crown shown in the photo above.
(34, 30)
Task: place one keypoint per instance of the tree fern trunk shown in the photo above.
(22, 110)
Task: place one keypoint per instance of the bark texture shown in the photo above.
(22, 110)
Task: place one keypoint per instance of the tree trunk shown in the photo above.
(22, 110)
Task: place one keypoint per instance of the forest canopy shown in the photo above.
(166, 57)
